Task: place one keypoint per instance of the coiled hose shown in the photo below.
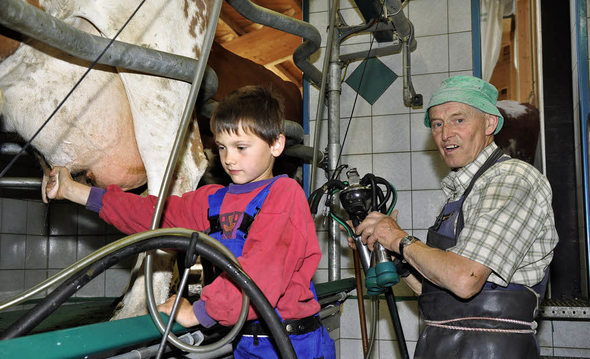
(58, 296)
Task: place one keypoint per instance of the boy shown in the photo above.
(279, 250)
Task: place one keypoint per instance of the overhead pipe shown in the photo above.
(26, 19)
(405, 30)
(398, 18)
(395, 48)
(411, 98)
(310, 35)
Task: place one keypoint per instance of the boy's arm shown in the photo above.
(61, 186)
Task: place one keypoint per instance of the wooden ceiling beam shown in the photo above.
(228, 16)
(285, 69)
(283, 6)
(264, 46)
(224, 32)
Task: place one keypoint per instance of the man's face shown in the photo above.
(460, 132)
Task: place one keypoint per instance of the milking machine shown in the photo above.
(359, 196)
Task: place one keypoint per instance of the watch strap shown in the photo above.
(407, 240)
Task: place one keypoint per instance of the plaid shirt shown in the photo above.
(509, 224)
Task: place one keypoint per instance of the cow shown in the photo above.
(118, 127)
(520, 133)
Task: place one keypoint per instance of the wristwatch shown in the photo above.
(406, 241)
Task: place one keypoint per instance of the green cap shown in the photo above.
(469, 90)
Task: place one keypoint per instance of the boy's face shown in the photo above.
(247, 158)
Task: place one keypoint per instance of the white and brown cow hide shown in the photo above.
(118, 127)
(520, 133)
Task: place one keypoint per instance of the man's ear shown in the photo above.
(278, 146)
(491, 124)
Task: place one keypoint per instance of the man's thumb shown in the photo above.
(394, 214)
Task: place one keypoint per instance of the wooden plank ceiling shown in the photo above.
(261, 44)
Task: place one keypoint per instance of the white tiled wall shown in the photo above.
(390, 141)
(39, 240)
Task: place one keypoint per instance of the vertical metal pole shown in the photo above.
(174, 155)
(322, 95)
(334, 91)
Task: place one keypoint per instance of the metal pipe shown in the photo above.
(360, 302)
(20, 182)
(328, 312)
(302, 152)
(339, 297)
(410, 97)
(379, 51)
(9, 149)
(334, 150)
(398, 18)
(405, 31)
(293, 132)
(175, 154)
(150, 351)
(322, 94)
(310, 35)
(26, 19)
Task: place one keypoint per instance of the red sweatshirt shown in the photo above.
(281, 252)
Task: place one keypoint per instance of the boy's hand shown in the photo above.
(185, 315)
(60, 185)
(59, 179)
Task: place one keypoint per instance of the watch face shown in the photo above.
(404, 242)
(407, 240)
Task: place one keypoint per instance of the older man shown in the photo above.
(485, 261)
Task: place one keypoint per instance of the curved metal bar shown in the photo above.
(26, 19)
(156, 315)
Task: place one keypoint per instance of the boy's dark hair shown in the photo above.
(254, 109)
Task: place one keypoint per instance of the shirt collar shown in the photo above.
(456, 182)
(249, 187)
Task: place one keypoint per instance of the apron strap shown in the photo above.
(487, 164)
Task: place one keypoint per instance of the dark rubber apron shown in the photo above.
(496, 323)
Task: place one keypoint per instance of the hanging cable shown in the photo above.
(354, 103)
(92, 65)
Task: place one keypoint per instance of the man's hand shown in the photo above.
(185, 315)
(378, 227)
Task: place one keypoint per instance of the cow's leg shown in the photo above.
(134, 302)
